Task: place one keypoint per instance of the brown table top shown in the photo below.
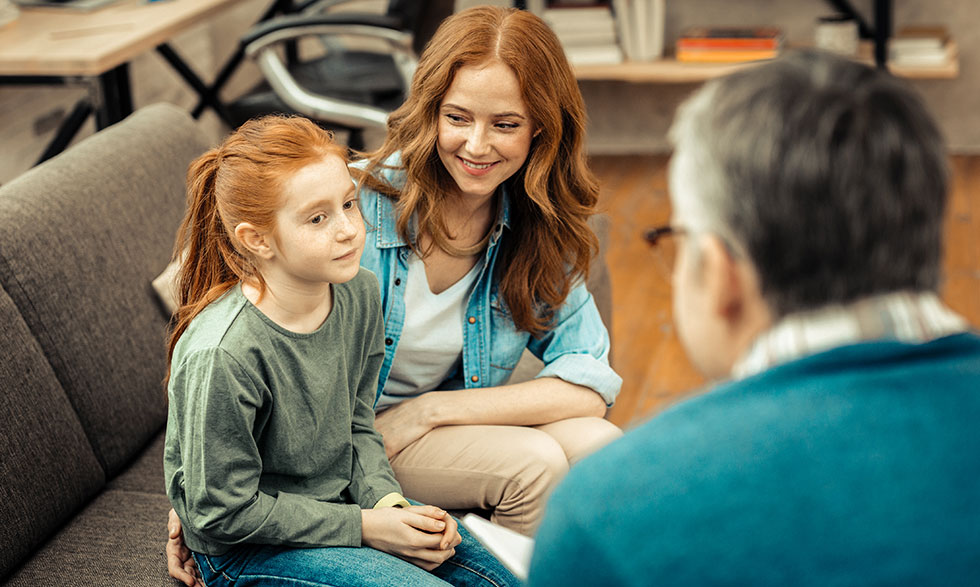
(66, 42)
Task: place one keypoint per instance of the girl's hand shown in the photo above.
(180, 564)
(403, 423)
(425, 536)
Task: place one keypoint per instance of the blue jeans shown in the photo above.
(259, 564)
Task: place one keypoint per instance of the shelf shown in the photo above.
(670, 70)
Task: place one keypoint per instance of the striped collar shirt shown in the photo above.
(913, 317)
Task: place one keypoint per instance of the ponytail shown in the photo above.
(203, 248)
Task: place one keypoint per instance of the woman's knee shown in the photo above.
(580, 437)
(542, 455)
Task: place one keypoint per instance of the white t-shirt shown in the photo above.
(431, 342)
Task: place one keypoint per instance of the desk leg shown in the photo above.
(207, 95)
(278, 7)
(111, 96)
(883, 30)
(67, 130)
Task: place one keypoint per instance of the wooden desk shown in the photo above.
(65, 46)
(66, 42)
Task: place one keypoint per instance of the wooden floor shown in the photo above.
(646, 352)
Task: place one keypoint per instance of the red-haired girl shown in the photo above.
(272, 461)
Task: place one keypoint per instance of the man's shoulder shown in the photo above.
(727, 427)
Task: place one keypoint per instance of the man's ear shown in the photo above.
(723, 282)
(256, 241)
(734, 290)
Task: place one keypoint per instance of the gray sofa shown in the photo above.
(83, 355)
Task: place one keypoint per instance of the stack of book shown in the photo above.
(729, 44)
(921, 46)
(587, 32)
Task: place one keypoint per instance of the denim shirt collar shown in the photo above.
(386, 221)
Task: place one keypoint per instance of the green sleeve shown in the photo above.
(222, 466)
(372, 477)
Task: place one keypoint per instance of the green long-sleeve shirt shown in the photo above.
(270, 434)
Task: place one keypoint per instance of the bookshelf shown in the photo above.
(670, 70)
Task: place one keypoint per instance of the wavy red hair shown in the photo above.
(553, 194)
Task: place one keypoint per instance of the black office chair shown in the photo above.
(342, 89)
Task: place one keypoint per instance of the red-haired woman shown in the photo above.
(271, 460)
(477, 206)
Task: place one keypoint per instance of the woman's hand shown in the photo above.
(180, 564)
(423, 535)
(404, 423)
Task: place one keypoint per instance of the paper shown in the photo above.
(511, 548)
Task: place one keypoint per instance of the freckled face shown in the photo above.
(319, 229)
(485, 130)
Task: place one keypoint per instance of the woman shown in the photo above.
(477, 206)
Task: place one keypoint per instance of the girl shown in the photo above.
(272, 462)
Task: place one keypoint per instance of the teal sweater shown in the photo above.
(859, 465)
(270, 435)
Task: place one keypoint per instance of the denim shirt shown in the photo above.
(575, 350)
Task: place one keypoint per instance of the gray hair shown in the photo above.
(830, 176)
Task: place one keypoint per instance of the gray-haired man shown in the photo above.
(808, 198)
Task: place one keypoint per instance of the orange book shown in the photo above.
(726, 56)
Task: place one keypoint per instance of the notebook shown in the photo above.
(511, 548)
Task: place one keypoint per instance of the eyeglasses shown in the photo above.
(664, 247)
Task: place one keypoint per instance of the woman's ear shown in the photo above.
(254, 240)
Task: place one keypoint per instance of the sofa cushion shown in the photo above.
(81, 238)
(120, 539)
(145, 473)
(47, 466)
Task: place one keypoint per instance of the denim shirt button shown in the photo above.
(472, 320)
(388, 341)
(474, 379)
(398, 281)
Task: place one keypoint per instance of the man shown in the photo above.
(808, 198)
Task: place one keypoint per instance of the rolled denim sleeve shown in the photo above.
(576, 349)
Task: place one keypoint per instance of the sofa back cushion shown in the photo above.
(47, 467)
(81, 238)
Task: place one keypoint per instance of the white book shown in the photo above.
(640, 12)
(580, 38)
(654, 29)
(625, 24)
(594, 55)
(586, 14)
(605, 24)
(511, 548)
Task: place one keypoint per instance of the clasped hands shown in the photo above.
(423, 535)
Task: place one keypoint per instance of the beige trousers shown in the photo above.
(509, 470)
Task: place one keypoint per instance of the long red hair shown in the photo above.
(554, 193)
(239, 181)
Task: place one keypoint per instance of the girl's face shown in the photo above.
(485, 130)
(319, 230)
